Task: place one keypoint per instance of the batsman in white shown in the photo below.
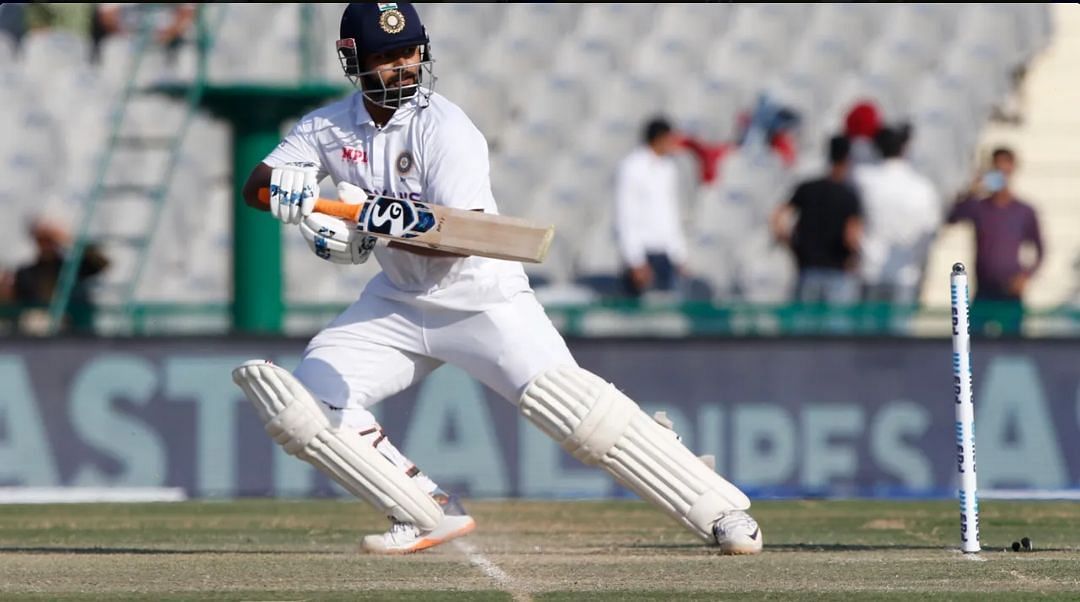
(399, 138)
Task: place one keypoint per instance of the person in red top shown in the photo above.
(861, 125)
(1003, 223)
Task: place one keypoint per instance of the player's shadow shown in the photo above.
(98, 550)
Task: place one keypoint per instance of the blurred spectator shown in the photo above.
(7, 286)
(770, 125)
(1003, 223)
(35, 283)
(647, 218)
(708, 155)
(826, 232)
(902, 214)
(168, 22)
(860, 126)
(7, 307)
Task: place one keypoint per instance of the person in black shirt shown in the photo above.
(827, 217)
(34, 283)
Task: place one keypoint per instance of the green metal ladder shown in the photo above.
(103, 191)
(106, 188)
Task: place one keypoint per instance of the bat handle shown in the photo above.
(338, 209)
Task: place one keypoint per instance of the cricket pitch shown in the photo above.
(531, 550)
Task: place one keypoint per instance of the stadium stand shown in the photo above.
(560, 91)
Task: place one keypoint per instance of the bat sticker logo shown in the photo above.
(391, 216)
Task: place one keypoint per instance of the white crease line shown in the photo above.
(492, 570)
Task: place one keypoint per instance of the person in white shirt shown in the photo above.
(647, 221)
(396, 137)
(902, 214)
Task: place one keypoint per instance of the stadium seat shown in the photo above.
(620, 25)
(851, 25)
(601, 145)
(482, 98)
(537, 140)
(514, 179)
(707, 108)
(624, 98)
(767, 27)
(996, 24)
(598, 251)
(893, 67)
(697, 23)
(588, 60)
(657, 57)
(744, 62)
(550, 98)
(926, 27)
(460, 18)
(544, 22)
(515, 59)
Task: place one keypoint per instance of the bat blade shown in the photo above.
(443, 228)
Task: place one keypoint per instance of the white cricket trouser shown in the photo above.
(378, 347)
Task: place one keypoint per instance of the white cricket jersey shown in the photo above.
(433, 154)
(647, 208)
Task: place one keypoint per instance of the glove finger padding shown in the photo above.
(309, 191)
(276, 193)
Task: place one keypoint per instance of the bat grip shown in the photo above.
(338, 209)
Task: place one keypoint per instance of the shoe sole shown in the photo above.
(426, 542)
(740, 551)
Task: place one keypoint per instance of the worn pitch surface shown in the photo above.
(306, 550)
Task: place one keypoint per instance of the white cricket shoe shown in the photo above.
(406, 538)
(737, 532)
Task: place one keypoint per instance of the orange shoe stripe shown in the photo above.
(428, 542)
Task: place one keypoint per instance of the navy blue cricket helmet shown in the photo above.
(372, 28)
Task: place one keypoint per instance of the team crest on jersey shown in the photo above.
(404, 162)
(391, 20)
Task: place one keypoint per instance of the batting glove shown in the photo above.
(334, 239)
(293, 190)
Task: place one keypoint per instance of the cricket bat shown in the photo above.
(442, 228)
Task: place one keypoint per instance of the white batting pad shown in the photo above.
(598, 424)
(294, 420)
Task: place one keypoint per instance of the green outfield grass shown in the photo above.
(617, 551)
